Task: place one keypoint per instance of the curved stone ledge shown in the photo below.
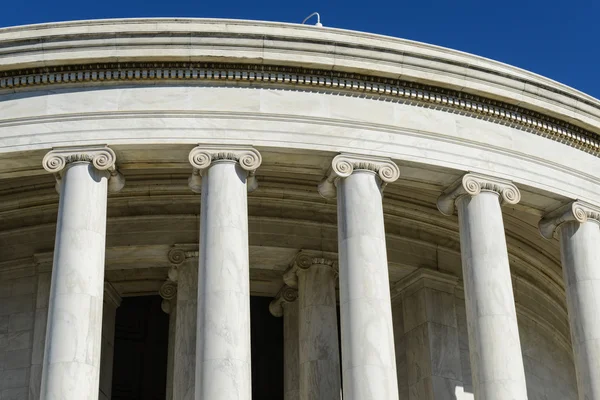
(310, 80)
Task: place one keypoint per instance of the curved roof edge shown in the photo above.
(274, 43)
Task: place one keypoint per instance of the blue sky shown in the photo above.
(557, 39)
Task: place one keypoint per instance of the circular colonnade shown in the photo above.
(147, 92)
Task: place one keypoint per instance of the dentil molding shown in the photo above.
(577, 211)
(472, 184)
(202, 156)
(343, 165)
(352, 84)
(285, 295)
(103, 158)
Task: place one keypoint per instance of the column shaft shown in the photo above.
(112, 301)
(319, 346)
(368, 357)
(184, 359)
(291, 373)
(74, 331)
(223, 370)
(171, 351)
(495, 349)
(580, 253)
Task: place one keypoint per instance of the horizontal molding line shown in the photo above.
(317, 80)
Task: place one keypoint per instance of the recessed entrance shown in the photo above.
(141, 343)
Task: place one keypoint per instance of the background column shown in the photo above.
(578, 225)
(495, 347)
(71, 366)
(286, 305)
(317, 320)
(168, 292)
(368, 356)
(429, 329)
(184, 364)
(223, 367)
(112, 301)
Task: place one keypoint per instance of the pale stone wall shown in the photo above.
(17, 319)
(549, 368)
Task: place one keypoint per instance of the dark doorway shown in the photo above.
(141, 341)
(267, 351)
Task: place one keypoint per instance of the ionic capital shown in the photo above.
(286, 295)
(343, 165)
(201, 157)
(578, 211)
(103, 158)
(178, 255)
(303, 261)
(472, 184)
(168, 292)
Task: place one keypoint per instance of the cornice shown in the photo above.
(304, 260)
(424, 278)
(103, 158)
(285, 295)
(577, 211)
(202, 156)
(343, 165)
(472, 184)
(374, 87)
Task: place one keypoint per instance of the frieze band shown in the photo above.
(379, 88)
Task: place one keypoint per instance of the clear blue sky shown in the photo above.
(557, 39)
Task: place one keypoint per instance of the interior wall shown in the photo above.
(17, 318)
(549, 368)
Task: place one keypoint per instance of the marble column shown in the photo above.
(112, 301)
(168, 292)
(285, 305)
(578, 227)
(428, 327)
(368, 356)
(223, 175)
(496, 358)
(71, 367)
(319, 355)
(184, 365)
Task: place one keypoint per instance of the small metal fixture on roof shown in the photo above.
(319, 24)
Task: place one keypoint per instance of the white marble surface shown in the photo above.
(171, 350)
(580, 254)
(74, 331)
(319, 346)
(223, 370)
(112, 301)
(184, 358)
(495, 349)
(139, 116)
(291, 358)
(368, 357)
(324, 48)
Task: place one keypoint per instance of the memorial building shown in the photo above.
(198, 209)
